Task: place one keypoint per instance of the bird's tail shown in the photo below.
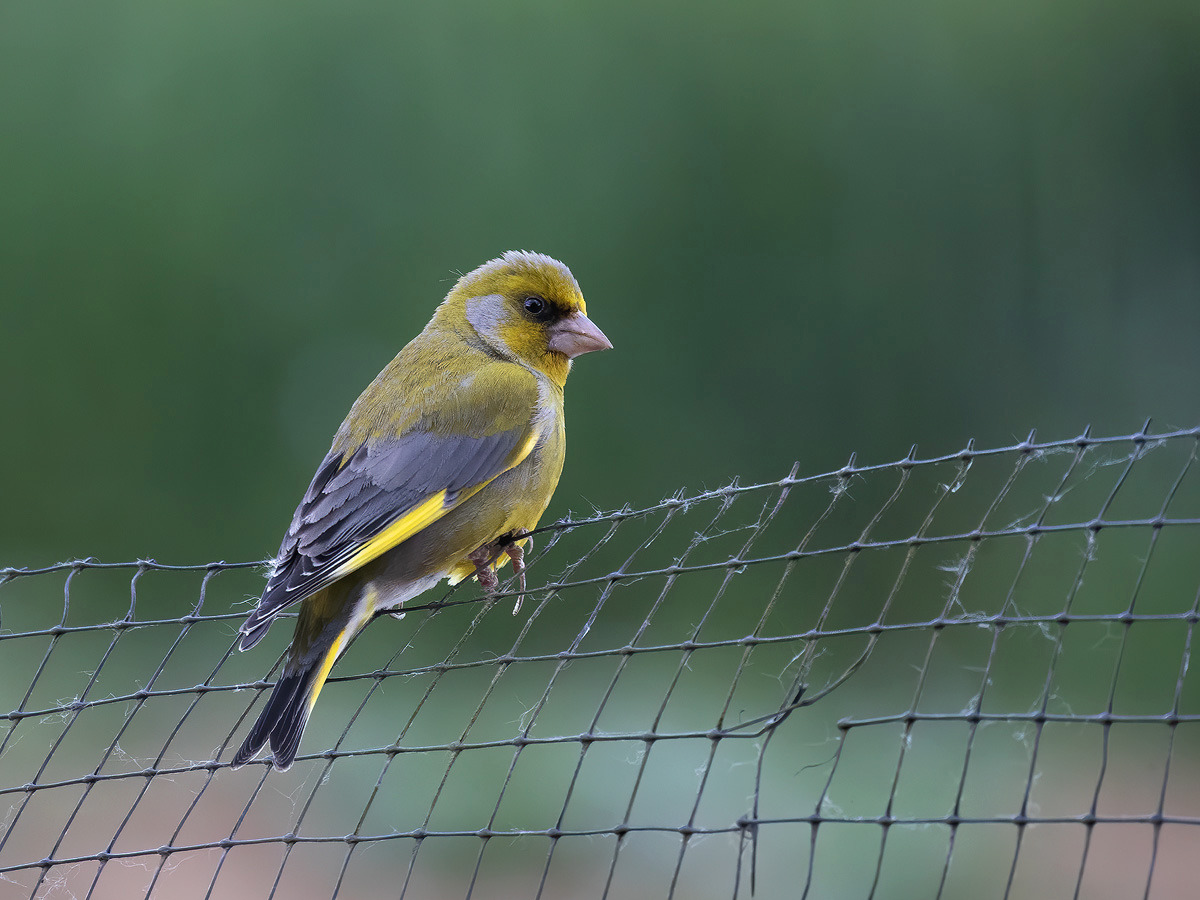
(283, 719)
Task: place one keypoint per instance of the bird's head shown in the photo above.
(528, 307)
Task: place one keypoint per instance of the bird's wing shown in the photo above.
(363, 504)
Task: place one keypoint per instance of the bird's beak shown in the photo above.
(576, 335)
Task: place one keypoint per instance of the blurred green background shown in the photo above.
(809, 229)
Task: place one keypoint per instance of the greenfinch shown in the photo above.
(442, 467)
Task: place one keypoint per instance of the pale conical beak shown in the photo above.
(576, 335)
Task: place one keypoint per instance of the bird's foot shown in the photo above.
(483, 558)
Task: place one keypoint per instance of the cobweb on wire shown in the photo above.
(962, 676)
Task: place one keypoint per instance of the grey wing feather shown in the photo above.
(349, 503)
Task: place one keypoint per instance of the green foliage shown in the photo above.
(808, 229)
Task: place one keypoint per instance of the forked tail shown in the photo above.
(283, 719)
(323, 630)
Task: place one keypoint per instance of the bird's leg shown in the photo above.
(483, 559)
(517, 554)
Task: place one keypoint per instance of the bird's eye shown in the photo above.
(536, 307)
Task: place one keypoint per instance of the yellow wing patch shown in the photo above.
(422, 516)
(525, 449)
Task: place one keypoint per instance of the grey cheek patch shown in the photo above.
(486, 314)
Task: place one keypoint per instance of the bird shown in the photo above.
(440, 470)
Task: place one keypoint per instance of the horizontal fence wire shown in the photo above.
(958, 676)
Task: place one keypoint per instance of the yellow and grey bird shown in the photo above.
(442, 467)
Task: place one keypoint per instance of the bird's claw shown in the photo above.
(517, 554)
(485, 558)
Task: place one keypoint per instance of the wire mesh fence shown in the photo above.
(961, 676)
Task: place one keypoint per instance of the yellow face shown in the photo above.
(528, 307)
